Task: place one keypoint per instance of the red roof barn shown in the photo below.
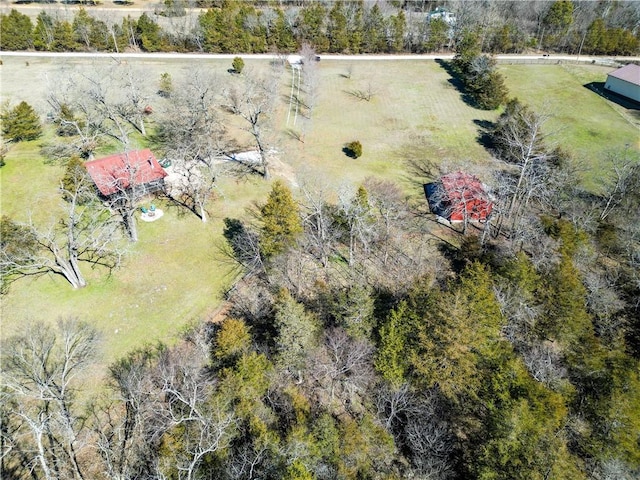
(458, 197)
(135, 169)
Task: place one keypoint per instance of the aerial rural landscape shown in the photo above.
(296, 239)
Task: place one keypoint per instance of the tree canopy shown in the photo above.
(21, 123)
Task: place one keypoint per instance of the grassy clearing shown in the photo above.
(174, 274)
(29, 187)
(585, 123)
(414, 106)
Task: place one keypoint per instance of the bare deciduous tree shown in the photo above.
(354, 215)
(419, 425)
(624, 175)
(123, 421)
(193, 138)
(195, 184)
(86, 232)
(341, 370)
(127, 191)
(254, 101)
(107, 103)
(243, 247)
(252, 300)
(520, 140)
(39, 370)
(196, 421)
(393, 404)
(321, 231)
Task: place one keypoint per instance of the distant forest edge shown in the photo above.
(350, 27)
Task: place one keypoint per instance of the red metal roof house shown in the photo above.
(137, 169)
(459, 197)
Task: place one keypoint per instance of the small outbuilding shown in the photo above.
(459, 197)
(442, 14)
(137, 169)
(625, 81)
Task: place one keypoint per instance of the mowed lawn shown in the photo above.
(175, 275)
(414, 108)
(582, 121)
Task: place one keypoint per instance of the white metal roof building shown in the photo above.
(625, 81)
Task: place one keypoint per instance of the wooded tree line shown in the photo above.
(478, 73)
(230, 26)
(354, 350)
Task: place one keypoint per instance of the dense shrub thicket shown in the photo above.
(232, 26)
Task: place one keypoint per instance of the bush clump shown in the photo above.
(353, 149)
(238, 65)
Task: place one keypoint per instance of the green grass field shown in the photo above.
(413, 107)
(174, 275)
(583, 122)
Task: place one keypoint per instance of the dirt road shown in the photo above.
(351, 58)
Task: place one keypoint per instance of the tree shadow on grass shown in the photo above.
(631, 105)
(295, 134)
(456, 82)
(422, 160)
(469, 251)
(485, 127)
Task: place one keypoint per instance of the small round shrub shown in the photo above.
(353, 149)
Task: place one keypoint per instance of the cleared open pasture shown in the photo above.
(413, 105)
(174, 274)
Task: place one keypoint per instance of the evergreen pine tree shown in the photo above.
(375, 31)
(281, 34)
(280, 221)
(337, 29)
(356, 26)
(467, 48)
(297, 330)
(75, 177)
(311, 27)
(16, 31)
(63, 37)
(392, 360)
(397, 26)
(149, 33)
(21, 123)
(238, 64)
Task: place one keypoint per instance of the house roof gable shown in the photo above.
(118, 171)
